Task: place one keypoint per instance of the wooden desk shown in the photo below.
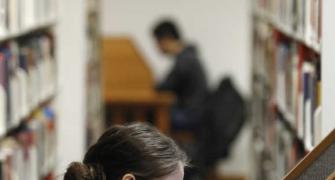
(128, 84)
(139, 104)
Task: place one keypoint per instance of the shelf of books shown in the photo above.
(286, 102)
(28, 83)
(298, 19)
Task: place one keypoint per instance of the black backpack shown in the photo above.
(224, 116)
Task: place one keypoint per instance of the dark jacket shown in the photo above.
(187, 80)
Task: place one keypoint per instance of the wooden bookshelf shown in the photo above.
(311, 157)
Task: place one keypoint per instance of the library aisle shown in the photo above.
(245, 88)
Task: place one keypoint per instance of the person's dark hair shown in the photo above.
(166, 29)
(139, 149)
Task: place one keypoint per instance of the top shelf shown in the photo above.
(39, 26)
(284, 29)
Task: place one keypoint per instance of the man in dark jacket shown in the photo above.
(187, 79)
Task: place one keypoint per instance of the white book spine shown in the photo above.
(301, 17)
(30, 91)
(22, 75)
(308, 22)
(3, 14)
(35, 86)
(40, 80)
(308, 108)
(14, 19)
(16, 163)
(295, 87)
(14, 88)
(28, 13)
(3, 111)
(300, 123)
(308, 125)
(318, 126)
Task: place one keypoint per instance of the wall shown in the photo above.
(220, 28)
(328, 63)
(71, 92)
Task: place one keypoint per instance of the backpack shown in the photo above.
(224, 116)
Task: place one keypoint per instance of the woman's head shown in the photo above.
(137, 151)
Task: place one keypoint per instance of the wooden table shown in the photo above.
(138, 103)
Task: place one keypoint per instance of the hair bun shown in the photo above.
(80, 171)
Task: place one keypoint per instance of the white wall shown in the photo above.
(220, 28)
(71, 69)
(328, 63)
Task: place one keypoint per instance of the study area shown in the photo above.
(167, 90)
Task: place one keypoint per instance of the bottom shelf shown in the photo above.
(276, 154)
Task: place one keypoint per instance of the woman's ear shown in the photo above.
(128, 177)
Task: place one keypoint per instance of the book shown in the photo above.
(27, 16)
(308, 75)
(317, 126)
(3, 18)
(3, 96)
(14, 15)
(2, 111)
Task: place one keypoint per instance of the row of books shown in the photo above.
(286, 98)
(298, 87)
(27, 77)
(301, 18)
(19, 15)
(293, 73)
(29, 153)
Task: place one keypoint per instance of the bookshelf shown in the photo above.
(94, 102)
(291, 82)
(28, 85)
(318, 163)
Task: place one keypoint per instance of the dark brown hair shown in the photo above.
(139, 149)
(166, 29)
